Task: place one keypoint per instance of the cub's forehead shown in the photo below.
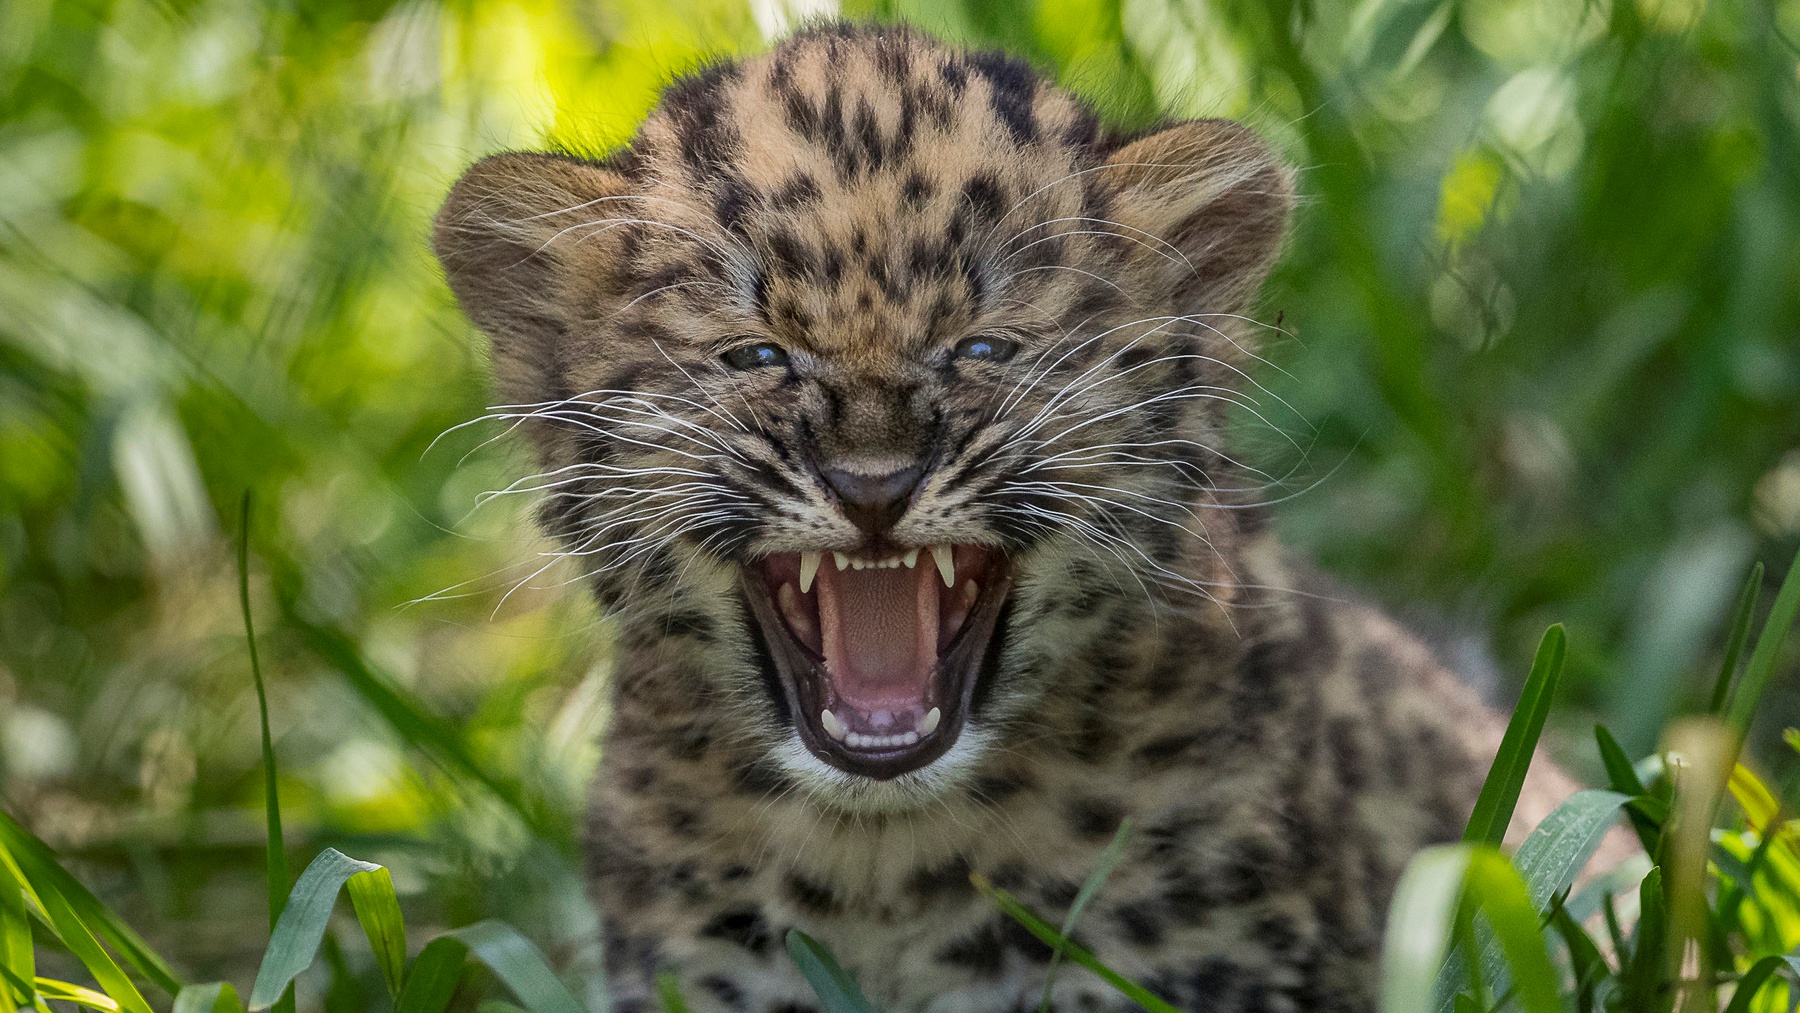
(875, 180)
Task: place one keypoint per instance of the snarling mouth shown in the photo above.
(879, 659)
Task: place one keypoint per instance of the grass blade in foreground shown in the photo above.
(833, 985)
(1768, 648)
(295, 941)
(1500, 793)
(669, 991)
(1741, 617)
(1042, 929)
(1419, 923)
(1109, 859)
(276, 873)
(519, 965)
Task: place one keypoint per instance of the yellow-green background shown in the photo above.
(1542, 362)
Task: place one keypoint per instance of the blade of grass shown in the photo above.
(518, 965)
(668, 989)
(1741, 617)
(214, 997)
(432, 980)
(26, 988)
(1109, 859)
(1756, 977)
(1761, 667)
(63, 991)
(1420, 920)
(275, 872)
(1500, 793)
(1042, 929)
(1642, 976)
(45, 876)
(378, 911)
(16, 955)
(1585, 960)
(1622, 777)
(1497, 890)
(295, 941)
(834, 986)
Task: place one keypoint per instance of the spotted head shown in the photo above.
(872, 377)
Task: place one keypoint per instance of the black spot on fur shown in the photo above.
(982, 952)
(811, 897)
(1139, 922)
(949, 881)
(724, 990)
(985, 198)
(745, 927)
(1093, 818)
(800, 191)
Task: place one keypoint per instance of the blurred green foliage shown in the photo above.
(1538, 360)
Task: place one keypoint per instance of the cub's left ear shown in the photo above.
(1215, 191)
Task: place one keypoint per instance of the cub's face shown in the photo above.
(871, 379)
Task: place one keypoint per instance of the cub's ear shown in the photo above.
(1214, 191)
(522, 238)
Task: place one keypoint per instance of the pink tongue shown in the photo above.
(878, 628)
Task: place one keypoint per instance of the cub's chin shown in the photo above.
(879, 660)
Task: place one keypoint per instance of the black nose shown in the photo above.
(873, 502)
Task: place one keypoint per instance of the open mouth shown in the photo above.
(879, 658)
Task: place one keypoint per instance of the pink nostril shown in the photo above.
(873, 502)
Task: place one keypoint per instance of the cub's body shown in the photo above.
(865, 311)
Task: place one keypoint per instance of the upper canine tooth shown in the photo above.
(911, 559)
(809, 568)
(840, 559)
(946, 563)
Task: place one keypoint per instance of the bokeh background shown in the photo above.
(1538, 360)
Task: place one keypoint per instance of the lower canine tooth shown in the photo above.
(833, 727)
(929, 722)
(970, 591)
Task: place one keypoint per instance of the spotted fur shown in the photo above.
(865, 199)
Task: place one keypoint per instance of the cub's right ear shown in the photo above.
(517, 236)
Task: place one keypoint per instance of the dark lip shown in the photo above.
(962, 667)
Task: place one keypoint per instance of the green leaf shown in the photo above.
(1496, 889)
(16, 955)
(1500, 793)
(275, 875)
(38, 865)
(1622, 778)
(1585, 959)
(1642, 977)
(1419, 923)
(1761, 667)
(834, 986)
(1109, 859)
(1042, 929)
(1754, 979)
(215, 997)
(1741, 617)
(378, 910)
(519, 965)
(434, 975)
(12, 983)
(1562, 844)
(295, 941)
(668, 989)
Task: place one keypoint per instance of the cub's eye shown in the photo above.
(761, 355)
(985, 348)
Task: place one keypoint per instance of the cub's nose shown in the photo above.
(873, 502)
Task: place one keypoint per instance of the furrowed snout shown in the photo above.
(873, 502)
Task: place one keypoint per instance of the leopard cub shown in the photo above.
(880, 392)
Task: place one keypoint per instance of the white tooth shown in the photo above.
(858, 739)
(840, 559)
(910, 738)
(929, 722)
(809, 568)
(946, 563)
(786, 598)
(833, 727)
(911, 559)
(970, 592)
(856, 564)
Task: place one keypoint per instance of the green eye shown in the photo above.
(985, 348)
(762, 355)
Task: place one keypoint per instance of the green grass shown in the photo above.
(1471, 929)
